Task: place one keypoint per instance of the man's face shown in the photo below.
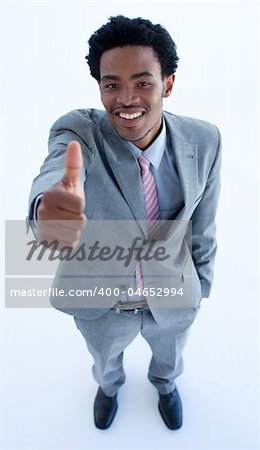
(132, 89)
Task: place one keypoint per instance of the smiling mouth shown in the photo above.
(129, 120)
(132, 116)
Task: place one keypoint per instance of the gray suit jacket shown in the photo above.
(114, 192)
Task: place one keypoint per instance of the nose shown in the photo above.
(127, 96)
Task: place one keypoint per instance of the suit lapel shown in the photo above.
(125, 170)
(185, 154)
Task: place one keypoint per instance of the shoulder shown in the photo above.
(192, 130)
(78, 119)
(79, 124)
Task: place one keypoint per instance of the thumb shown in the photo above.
(73, 163)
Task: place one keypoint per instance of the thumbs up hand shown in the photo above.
(60, 214)
(73, 165)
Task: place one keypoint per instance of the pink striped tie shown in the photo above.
(152, 208)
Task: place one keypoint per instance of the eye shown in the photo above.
(144, 83)
(111, 86)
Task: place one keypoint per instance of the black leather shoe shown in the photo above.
(104, 410)
(170, 408)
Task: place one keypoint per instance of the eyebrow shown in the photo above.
(132, 77)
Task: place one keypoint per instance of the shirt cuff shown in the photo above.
(35, 206)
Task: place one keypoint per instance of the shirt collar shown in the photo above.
(154, 152)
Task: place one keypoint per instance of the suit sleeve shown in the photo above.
(65, 129)
(204, 243)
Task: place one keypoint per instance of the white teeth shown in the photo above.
(130, 116)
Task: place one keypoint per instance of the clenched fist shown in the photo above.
(60, 214)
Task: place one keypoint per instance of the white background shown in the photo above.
(47, 389)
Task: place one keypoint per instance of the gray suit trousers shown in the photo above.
(107, 337)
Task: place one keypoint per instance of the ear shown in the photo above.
(168, 85)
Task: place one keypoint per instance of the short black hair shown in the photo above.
(121, 31)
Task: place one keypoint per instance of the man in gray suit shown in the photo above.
(133, 164)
